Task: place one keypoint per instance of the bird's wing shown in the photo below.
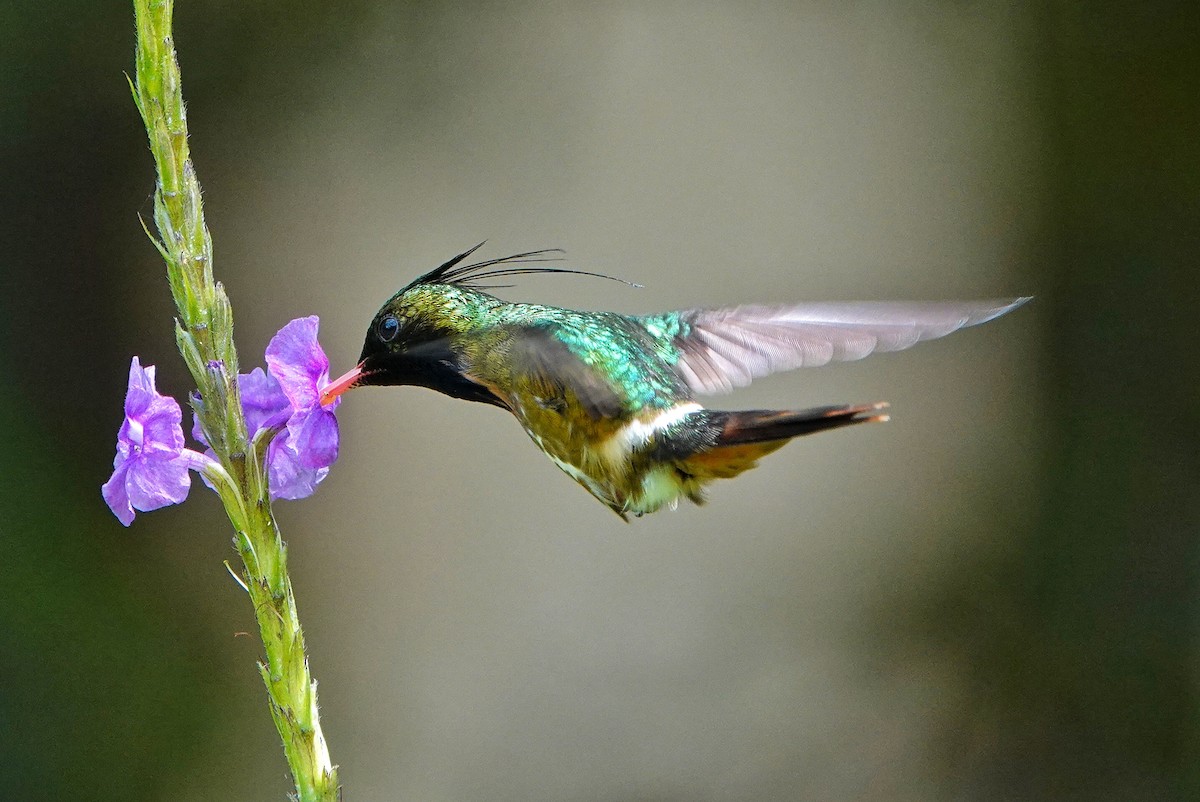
(720, 349)
(536, 355)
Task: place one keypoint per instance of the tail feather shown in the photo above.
(746, 436)
(757, 426)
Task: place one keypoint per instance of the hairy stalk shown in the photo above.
(204, 333)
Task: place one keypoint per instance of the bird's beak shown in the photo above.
(341, 384)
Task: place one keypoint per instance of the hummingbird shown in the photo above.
(611, 398)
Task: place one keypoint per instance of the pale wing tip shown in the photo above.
(1000, 307)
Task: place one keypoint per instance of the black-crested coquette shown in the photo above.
(611, 398)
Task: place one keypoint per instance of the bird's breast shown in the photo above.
(610, 457)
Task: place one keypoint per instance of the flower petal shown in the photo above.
(296, 360)
(314, 437)
(141, 378)
(161, 423)
(263, 400)
(288, 478)
(137, 401)
(151, 484)
(140, 393)
(115, 496)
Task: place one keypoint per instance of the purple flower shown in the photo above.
(296, 360)
(151, 467)
(265, 405)
(299, 457)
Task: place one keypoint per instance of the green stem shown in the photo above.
(204, 333)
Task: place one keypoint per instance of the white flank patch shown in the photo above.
(637, 433)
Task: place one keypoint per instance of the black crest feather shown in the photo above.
(519, 264)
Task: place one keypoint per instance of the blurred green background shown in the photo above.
(993, 597)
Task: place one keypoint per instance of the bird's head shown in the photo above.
(415, 336)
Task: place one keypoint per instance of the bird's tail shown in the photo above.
(757, 426)
(747, 435)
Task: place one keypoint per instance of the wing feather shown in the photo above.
(721, 349)
(535, 352)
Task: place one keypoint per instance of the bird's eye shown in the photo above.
(389, 327)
